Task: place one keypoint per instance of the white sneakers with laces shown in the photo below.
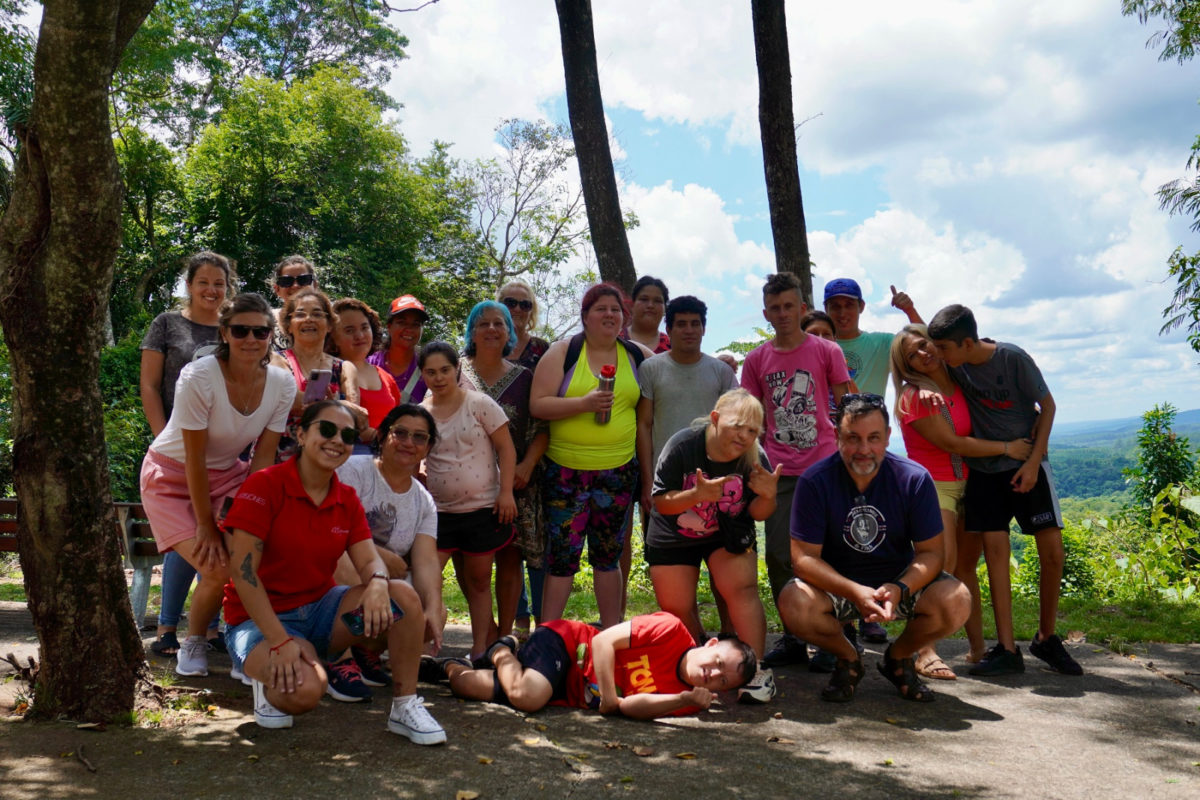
(760, 689)
(410, 718)
(265, 714)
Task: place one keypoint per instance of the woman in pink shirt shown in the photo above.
(932, 412)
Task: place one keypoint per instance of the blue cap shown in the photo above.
(846, 287)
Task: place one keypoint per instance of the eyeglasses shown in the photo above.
(261, 332)
(330, 429)
(288, 281)
(513, 304)
(416, 437)
(309, 315)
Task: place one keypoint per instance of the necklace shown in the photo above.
(244, 397)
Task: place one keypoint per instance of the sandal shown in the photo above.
(903, 675)
(166, 645)
(846, 675)
(936, 669)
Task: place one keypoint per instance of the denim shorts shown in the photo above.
(313, 622)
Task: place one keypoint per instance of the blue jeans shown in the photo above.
(177, 576)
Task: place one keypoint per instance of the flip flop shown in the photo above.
(166, 645)
(936, 669)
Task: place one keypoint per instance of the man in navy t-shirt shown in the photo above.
(867, 539)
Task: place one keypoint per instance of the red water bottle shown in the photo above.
(608, 379)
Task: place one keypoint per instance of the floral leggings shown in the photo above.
(591, 505)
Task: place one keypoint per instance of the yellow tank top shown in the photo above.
(578, 442)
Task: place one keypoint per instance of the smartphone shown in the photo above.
(354, 619)
(318, 385)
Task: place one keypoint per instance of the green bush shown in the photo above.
(126, 431)
(1079, 579)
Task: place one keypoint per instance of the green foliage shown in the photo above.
(126, 432)
(1163, 458)
(1079, 579)
(1184, 309)
(1182, 18)
(744, 346)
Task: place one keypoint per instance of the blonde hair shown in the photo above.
(741, 408)
(903, 375)
(531, 326)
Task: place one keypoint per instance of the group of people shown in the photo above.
(316, 467)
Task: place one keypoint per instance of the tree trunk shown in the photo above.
(586, 109)
(58, 242)
(778, 128)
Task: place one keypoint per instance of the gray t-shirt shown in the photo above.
(1002, 396)
(681, 392)
(180, 341)
(395, 519)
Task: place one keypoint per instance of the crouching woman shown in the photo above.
(290, 523)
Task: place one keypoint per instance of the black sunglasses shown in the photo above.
(261, 332)
(330, 429)
(288, 281)
(512, 302)
(866, 398)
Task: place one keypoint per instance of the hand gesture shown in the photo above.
(708, 491)
(935, 400)
(764, 483)
(901, 300)
(698, 696)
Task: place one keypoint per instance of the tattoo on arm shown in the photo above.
(248, 571)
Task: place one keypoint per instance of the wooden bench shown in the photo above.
(137, 544)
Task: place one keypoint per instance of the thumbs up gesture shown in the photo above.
(900, 300)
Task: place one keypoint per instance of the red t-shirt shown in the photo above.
(378, 402)
(302, 542)
(648, 666)
(941, 465)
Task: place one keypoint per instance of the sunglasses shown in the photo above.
(330, 429)
(288, 281)
(513, 303)
(403, 435)
(866, 398)
(261, 332)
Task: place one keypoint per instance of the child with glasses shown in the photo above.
(223, 403)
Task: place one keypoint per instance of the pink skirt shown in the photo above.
(168, 504)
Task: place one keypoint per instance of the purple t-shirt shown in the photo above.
(866, 536)
(793, 386)
(410, 382)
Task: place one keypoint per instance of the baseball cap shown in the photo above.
(846, 287)
(407, 302)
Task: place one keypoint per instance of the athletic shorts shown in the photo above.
(312, 622)
(950, 496)
(168, 503)
(690, 555)
(544, 652)
(991, 502)
(473, 533)
(845, 610)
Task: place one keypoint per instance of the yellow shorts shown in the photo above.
(950, 495)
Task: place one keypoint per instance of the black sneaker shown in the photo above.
(874, 633)
(822, 661)
(788, 650)
(433, 670)
(1051, 651)
(997, 662)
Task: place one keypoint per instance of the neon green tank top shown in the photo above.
(578, 442)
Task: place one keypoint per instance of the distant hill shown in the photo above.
(1088, 457)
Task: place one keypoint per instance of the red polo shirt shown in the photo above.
(302, 541)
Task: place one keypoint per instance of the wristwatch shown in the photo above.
(904, 592)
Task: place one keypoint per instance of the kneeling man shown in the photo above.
(644, 668)
(867, 539)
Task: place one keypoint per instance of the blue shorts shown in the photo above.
(313, 622)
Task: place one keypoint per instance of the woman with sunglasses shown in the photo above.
(490, 336)
(402, 517)
(517, 296)
(292, 274)
(357, 335)
(223, 403)
(932, 413)
(174, 339)
(290, 524)
(469, 472)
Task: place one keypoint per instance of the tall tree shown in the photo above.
(586, 109)
(58, 239)
(778, 127)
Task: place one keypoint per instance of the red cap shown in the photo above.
(407, 302)
(608, 371)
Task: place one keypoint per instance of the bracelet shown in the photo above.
(1006, 448)
(380, 575)
(275, 649)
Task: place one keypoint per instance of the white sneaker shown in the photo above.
(411, 719)
(265, 714)
(760, 689)
(236, 673)
(192, 658)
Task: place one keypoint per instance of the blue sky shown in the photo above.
(1003, 155)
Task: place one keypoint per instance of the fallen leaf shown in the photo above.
(252, 759)
(891, 721)
(137, 752)
(627, 779)
(642, 750)
(685, 756)
(532, 742)
(887, 762)
(1075, 637)
(89, 726)
(485, 760)
(780, 740)
(67, 754)
(613, 745)
(466, 794)
(177, 762)
(778, 715)
(541, 727)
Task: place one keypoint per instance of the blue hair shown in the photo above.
(473, 318)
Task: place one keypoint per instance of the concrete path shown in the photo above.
(1129, 728)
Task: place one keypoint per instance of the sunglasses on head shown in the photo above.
(288, 281)
(866, 398)
(418, 438)
(514, 303)
(330, 429)
(261, 332)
